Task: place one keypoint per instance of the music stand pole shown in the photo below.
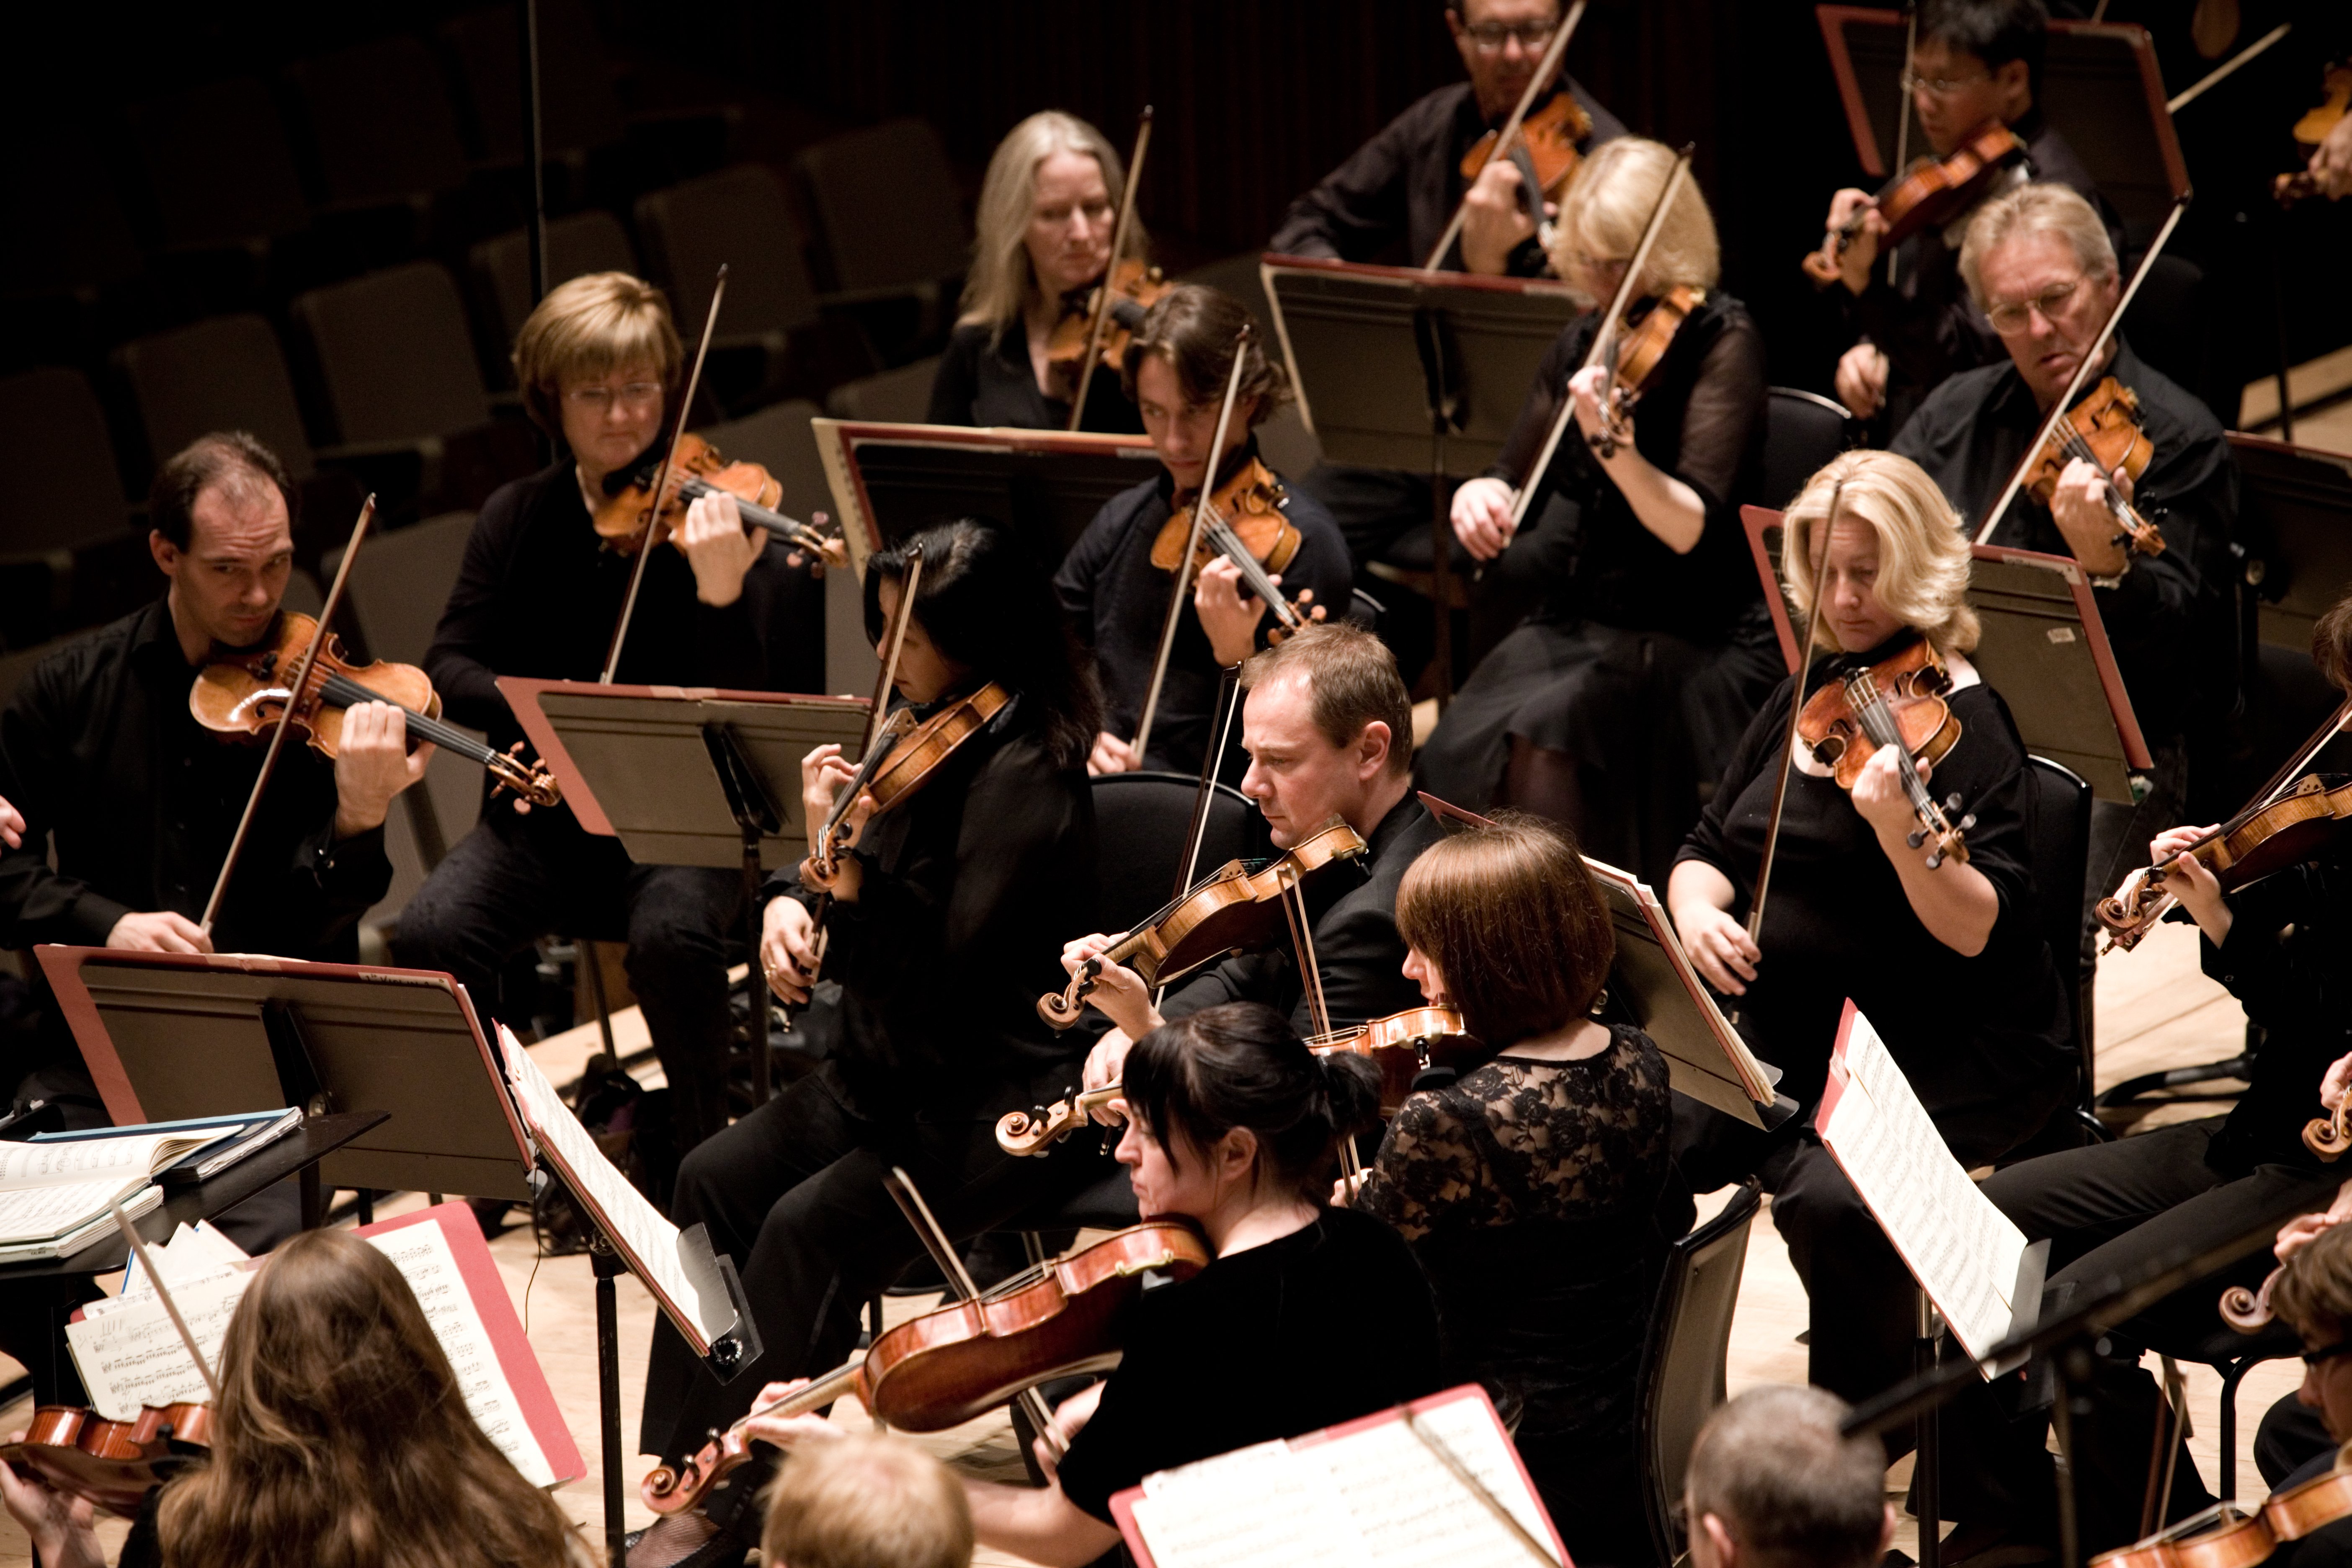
(756, 815)
(1926, 1488)
(607, 1266)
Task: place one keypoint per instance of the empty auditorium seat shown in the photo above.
(738, 217)
(889, 216)
(579, 110)
(66, 492)
(591, 241)
(227, 374)
(382, 124)
(218, 168)
(393, 355)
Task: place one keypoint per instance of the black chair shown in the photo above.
(2060, 828)
(1802, 430)
(2231, 1355)
(1683, 1361)
(1140, 819)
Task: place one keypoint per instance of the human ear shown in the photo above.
(1372, 748)
(1236, 1155)
(166, 553)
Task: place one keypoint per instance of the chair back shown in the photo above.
(1684, 1359)
(738, 216)
(1802, 430)
(585, 242)
(888, 213)
(900, 396)
(383, 126)
(225, 374)
(73, 495)
(394, 356)
(1140, 820)
(219, 167)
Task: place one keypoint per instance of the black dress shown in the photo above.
(1642, 664)
(985, 379)
(1529, 1190)
(1326, 1324)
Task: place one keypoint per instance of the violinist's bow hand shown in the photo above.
(1482, 517)
(12, 825)
(789, 959)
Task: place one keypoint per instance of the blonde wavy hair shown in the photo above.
(1607, 203)
(1923, 551)
(590, 327)
(2036, 209)
(1002, 282)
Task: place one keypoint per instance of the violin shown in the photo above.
(1135, 287)
(1245, 525)
(1545, 149)
(2103, 430)
(2227, 1536)
(905, 758)
(242, 693)
(2312, 129)
(625, 516)
(2246, 848)
(1632, 358)
(1403, 1045)
(1931, 194)
(114, 1464)
(1235, 909)
(960, 1361)
(1898, 701)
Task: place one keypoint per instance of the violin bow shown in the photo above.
(164, 1291)
(1819, 562)
(285, 719)
(1476, 1488)
(1191, 543)
(661, 482)
(1318, 1011)
(2092, 361)
(1120, 231)
(901, 1187)
(1229, 691)
(1604, 339)
(1903, 116)
(1546, 72)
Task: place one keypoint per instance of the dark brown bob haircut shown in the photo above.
(1193, 329)
(1516, 924)
(233, 459)
(591, 326)
(1351, 681)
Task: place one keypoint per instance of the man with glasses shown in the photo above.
(540, 594)
(2037, 263)
(1393, 198)
(1975, 62)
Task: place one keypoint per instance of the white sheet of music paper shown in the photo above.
(1963, 1251)
(131, 1355)
(421, 1253)
(649, 1240)
(1375, 1496)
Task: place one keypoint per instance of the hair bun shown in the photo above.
(1351, 1092)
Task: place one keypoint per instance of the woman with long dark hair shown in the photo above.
(1307, 1317)
(946, 914)
(340, 1440)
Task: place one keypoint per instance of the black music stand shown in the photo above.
(690, 777)
(891, 480)
(2296, 512)
(172, 1034)
(2101, 89)
(1418, 372)
(2044, 648)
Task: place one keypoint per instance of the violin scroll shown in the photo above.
(1033, 1131)
(2327, 1136)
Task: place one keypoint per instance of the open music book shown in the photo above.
(129, 1355)
(1372, 1493)
(1974, 1264)
(54, 1191)
(654, 1250)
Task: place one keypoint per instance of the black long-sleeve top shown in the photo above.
(139, 802)
(2169, 619)
(1837, 923)
(967, 893)
(1395, 195)
(1702, 421)
(1118, 602)
(1351, 920)
(2284, 959)
(1925, 323)
(985, 379)
(540, 594)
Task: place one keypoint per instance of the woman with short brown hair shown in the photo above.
(1531, 1188)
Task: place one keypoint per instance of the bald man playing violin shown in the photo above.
(1328, 730)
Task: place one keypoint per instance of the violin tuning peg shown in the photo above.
(1915, 837)
(1967, 822)
(1935, 860)
(1952, 800)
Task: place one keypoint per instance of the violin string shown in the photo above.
(342, 689)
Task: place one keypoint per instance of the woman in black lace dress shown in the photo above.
(1531, 1188)
(1629, 686)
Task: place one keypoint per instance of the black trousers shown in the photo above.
(514, 879)
(2109, 1211)
(1862, 1302)
(794, 1194)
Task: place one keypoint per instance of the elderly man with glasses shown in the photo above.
(1908, 320)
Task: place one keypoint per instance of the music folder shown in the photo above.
(1378, 354)
(168, 1035)
(637, 762)
(2042, 647)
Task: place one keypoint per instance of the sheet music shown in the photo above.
(421, 1253)
(1963, 1252)
(32, 1213)
(82, 1160)
(649, 1240)
(1374, 1497)
(129, 1354)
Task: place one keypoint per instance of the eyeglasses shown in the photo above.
(2329, 1353)
(2011, 316)
(1595, 265)
(1941, 85)
(636, 395)
(1490, 37)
